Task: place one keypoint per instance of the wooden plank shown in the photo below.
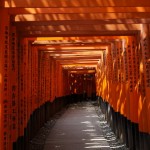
(77, 10)
(80, 57)
(22, 24)
(34, 79)
(91, 16)
(14, 84)
(74, 46)
(75, 3)
(103, 39)
(77, 28)
(5, 110)
(22, 109)
(79, 33)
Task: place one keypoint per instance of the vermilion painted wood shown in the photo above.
(5, 109)
(14, 84)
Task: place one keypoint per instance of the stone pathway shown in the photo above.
(81, 126)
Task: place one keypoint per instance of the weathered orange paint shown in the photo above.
(14, 84)
(5, 110)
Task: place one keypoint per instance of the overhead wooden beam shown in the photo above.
(97, 42)
(83, 38)
(79, 33)
(84, 68)
(80, 61)
(81, 64)
(81, 71)
(77, 63)
(78, 10)
(71, 53)
(22, 24)
(78, 57)
(74, 52)
(78, 28)
(76, 3)
(100, 45)
(74, 47)
(90, 16)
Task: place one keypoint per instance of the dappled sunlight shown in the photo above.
(86, 122)
(78, 47)
(92, 116)
(91, 134)
(97, 146)
(93, 143)
(120, 146)
(98, 139)
(90, 126)
(89, 130)
(32, 11)
(7, 4)
(141, 9)
(85, 3)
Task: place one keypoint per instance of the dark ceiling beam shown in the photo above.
(72, 51)
(78, 28)
(78, 57)
(22, 24)
(78, 63)
(74, 45)
(78, 33)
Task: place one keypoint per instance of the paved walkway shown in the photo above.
(77, 129)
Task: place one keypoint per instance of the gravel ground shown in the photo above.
(37, 143)
(114, 143)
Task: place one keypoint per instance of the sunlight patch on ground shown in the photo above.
(98, 139)
(97, 146)
(89, 130)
